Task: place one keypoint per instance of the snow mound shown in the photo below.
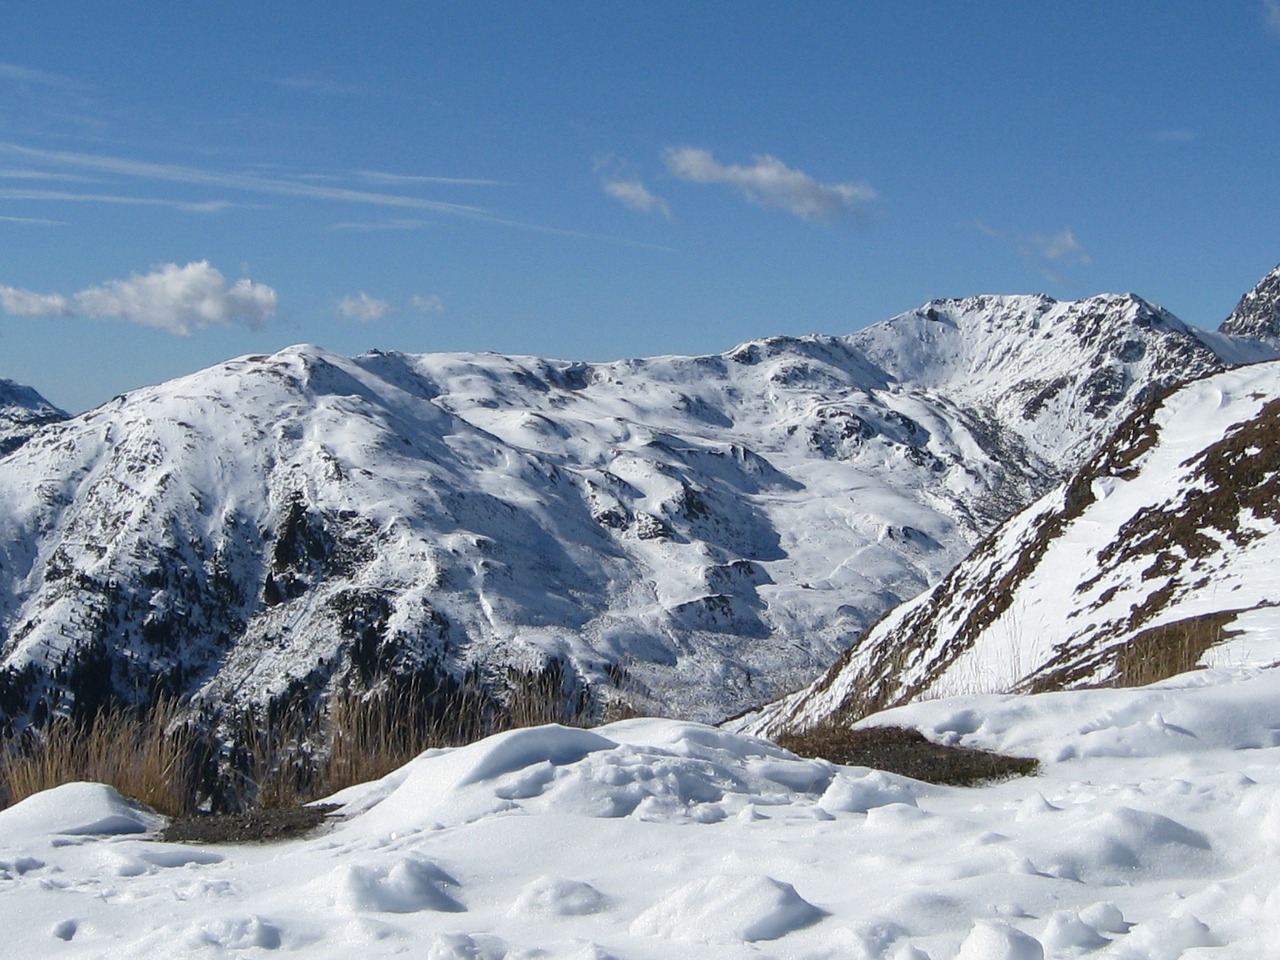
(407, 885)
(77, 809)
(557, 897)
(660, 840)
(654, 770)
(725, 907)
(992, 940)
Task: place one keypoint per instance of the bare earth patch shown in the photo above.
(260, 826)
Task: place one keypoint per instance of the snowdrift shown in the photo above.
(1152, 833)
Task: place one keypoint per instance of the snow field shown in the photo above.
(1152, 833)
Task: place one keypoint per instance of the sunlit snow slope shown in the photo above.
(722, 527)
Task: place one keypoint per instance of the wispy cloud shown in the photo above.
(401, 223)
(769, 182)
(363, 308)
(430, 304)
(14, 173)
(1061, 246)
(410, 179)
(34, 221)
(14, 73)
(170, 298)
(317, 189)
(251, 183)
(1046, 252)
(64, 196)
(636, 196)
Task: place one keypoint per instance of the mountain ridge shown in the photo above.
(715, 527)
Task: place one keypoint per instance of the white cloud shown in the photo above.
(178, 299)
(771, 183)
(1061, 246)
(431, 304)
(172, 298)
(363, 308)
(634, 194)
(24, 303)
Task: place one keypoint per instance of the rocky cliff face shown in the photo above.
(1257, 315)
(715, 529)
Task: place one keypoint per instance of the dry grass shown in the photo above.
(1170, 649)
(281, 758)
(152, 758)
(906, 752)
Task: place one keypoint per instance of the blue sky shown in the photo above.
(181, 183)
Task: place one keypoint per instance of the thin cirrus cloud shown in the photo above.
(170, 298)
(64, 196)
(636, 196)
(428, 304)
(769, 182)
(247, 182)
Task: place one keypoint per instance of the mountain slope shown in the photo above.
(715, 528)
(1152, 558)
(22, 413)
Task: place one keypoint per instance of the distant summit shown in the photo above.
(22, 413)
(1258, 312)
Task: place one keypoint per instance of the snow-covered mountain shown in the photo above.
(22, 413)
(1257, 314)
(1157, 555)
(717, 529)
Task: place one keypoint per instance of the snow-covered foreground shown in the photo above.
(1152, 832)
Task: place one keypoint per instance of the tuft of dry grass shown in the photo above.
(906, 752)
(152, 758)
(279, 758)
(1158, 653)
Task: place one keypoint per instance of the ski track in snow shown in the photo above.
(1151, 833)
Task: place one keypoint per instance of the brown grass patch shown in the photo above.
(1170, 649)
(153, 759)
(906, 752)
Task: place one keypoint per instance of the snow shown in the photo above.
(722, 526)
(1152, 832)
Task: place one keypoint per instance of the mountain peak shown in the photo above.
(22, 412)
(1258, 312)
